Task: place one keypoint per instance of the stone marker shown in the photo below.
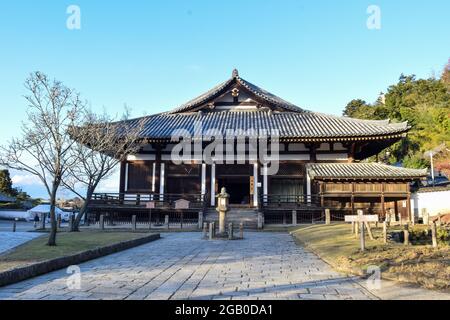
(241, 230)
(260, 220)
(385, 232)
(200, 219)
(406, 235)
(211, 231)
(425, 217)
(230, 231)
(166, 221)
(133, 223)
(392, 215)
(434, 235)
(102, 222)
(327, 217)
(294, 217)
(205, 230)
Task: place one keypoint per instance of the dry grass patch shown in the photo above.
(419, 264)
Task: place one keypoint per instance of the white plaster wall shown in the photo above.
(435, 202)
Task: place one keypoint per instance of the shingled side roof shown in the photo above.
(361, 171)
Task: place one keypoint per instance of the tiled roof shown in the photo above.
(222, 88)
(360, 170)
(289, 124)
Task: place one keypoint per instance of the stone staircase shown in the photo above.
(236, 215)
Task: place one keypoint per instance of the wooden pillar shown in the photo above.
(255, 184)
(383, 204)
(157, 167)
(122, 177)
(213, 185)
(351, 154)
(352, 199)
(265, 183)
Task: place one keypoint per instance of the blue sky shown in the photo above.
(155, 55)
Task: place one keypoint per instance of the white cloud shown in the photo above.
(26, 180)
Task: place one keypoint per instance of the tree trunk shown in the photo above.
(52, 237)
(83, 211)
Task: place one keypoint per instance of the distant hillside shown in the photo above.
(424, 103)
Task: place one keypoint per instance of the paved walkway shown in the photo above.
(181, 266)
(10, 240)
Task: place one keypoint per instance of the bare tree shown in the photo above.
(44, 148)
(101, 144)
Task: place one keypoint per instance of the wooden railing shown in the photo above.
(141, 200)
(300, 200)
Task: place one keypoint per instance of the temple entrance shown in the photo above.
(236, 178)
(238, 188)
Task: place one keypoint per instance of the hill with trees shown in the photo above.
(425, 104)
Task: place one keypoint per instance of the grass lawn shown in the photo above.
(67, 244)
(418, 264)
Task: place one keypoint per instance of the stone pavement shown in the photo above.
(10, 240)
(182, 266)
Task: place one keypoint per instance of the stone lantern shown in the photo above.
(222, 207)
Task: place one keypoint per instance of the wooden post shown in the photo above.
(43, 221)
(327, 216)
(200, 219)
(434, 235)
(369, 230)
(353, 228)
(166, 221)
(439, 220)
(58, 222)
(181, 219)
(362, 237)
(241, 230)
(133, 223)
(385, 232)
(102, 222)
(357, 225)
(230, 231)
(406, 235)
(14, 226)
(150, 219)
(71, 221)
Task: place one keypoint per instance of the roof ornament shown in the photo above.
(235, 73)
